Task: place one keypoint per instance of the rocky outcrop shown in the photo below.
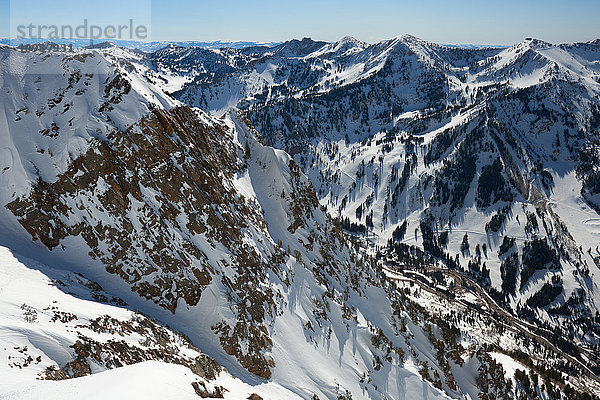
(169, 154)
(108, 351)
(150, 203)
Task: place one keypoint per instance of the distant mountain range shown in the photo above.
(145, 46)
(156, 45)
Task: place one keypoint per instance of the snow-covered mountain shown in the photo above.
(457, 145)
(222, 267)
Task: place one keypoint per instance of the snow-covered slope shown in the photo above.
(194, 220)
(489, 156)
(53, 105)
(47, 333)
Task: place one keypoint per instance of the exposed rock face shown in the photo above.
(159, 344)
(153, 202)
(108, 351)
(203, 392)
(149, 202)
(170, 154)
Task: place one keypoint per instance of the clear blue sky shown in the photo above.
(441, 21)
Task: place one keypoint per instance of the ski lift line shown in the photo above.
(354, 180)
(420, 235)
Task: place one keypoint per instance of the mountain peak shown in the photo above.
(348, 42)
(349, 39)
(102, 45)
(535, 43)
(298, 48)
(409, 37)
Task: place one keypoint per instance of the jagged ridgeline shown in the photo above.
(486, 146)
(194, 219)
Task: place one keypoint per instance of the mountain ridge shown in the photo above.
(204, 221)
